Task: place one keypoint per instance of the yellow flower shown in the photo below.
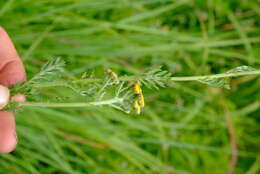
(139, 98)
(137, 107)
(137, 88)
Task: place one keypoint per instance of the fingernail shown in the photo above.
(4, 96)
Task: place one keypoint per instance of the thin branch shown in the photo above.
(71, 105)
(222, 75)
(129, 78)
(233, 139)
(84, 141)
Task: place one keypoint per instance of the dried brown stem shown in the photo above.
(233, 139)
(83, 140)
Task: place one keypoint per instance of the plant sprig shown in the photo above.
(113, 90)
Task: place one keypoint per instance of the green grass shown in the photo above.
(184, 129)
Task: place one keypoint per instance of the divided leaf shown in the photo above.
(243, 68)
(156, 78)
(49, 70)
(216, 82)
(224, 82)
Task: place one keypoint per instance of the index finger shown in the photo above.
(11, 66)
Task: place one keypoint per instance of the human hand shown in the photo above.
(11, 72)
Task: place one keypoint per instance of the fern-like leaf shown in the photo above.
(156, 78)
(243, 68)
(49, 70)
(216, 82)
(224, 82)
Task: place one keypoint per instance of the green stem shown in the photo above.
(223, 75)
(85, 81)
(116, 100)
(129, 78)
(71, 105)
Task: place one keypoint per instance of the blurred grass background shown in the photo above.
(187, 129)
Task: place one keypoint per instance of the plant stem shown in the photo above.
(116, 100)
(71, 105)
(223, 75)
(85, 81)
(129, 78)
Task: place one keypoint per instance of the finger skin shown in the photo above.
(11, 72)
(7, 132)
(11, 66)
(18, 98)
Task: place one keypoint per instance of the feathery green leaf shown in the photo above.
(224, 82)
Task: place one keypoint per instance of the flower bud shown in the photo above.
(4, 96)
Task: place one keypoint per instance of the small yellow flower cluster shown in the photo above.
(139, 99)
